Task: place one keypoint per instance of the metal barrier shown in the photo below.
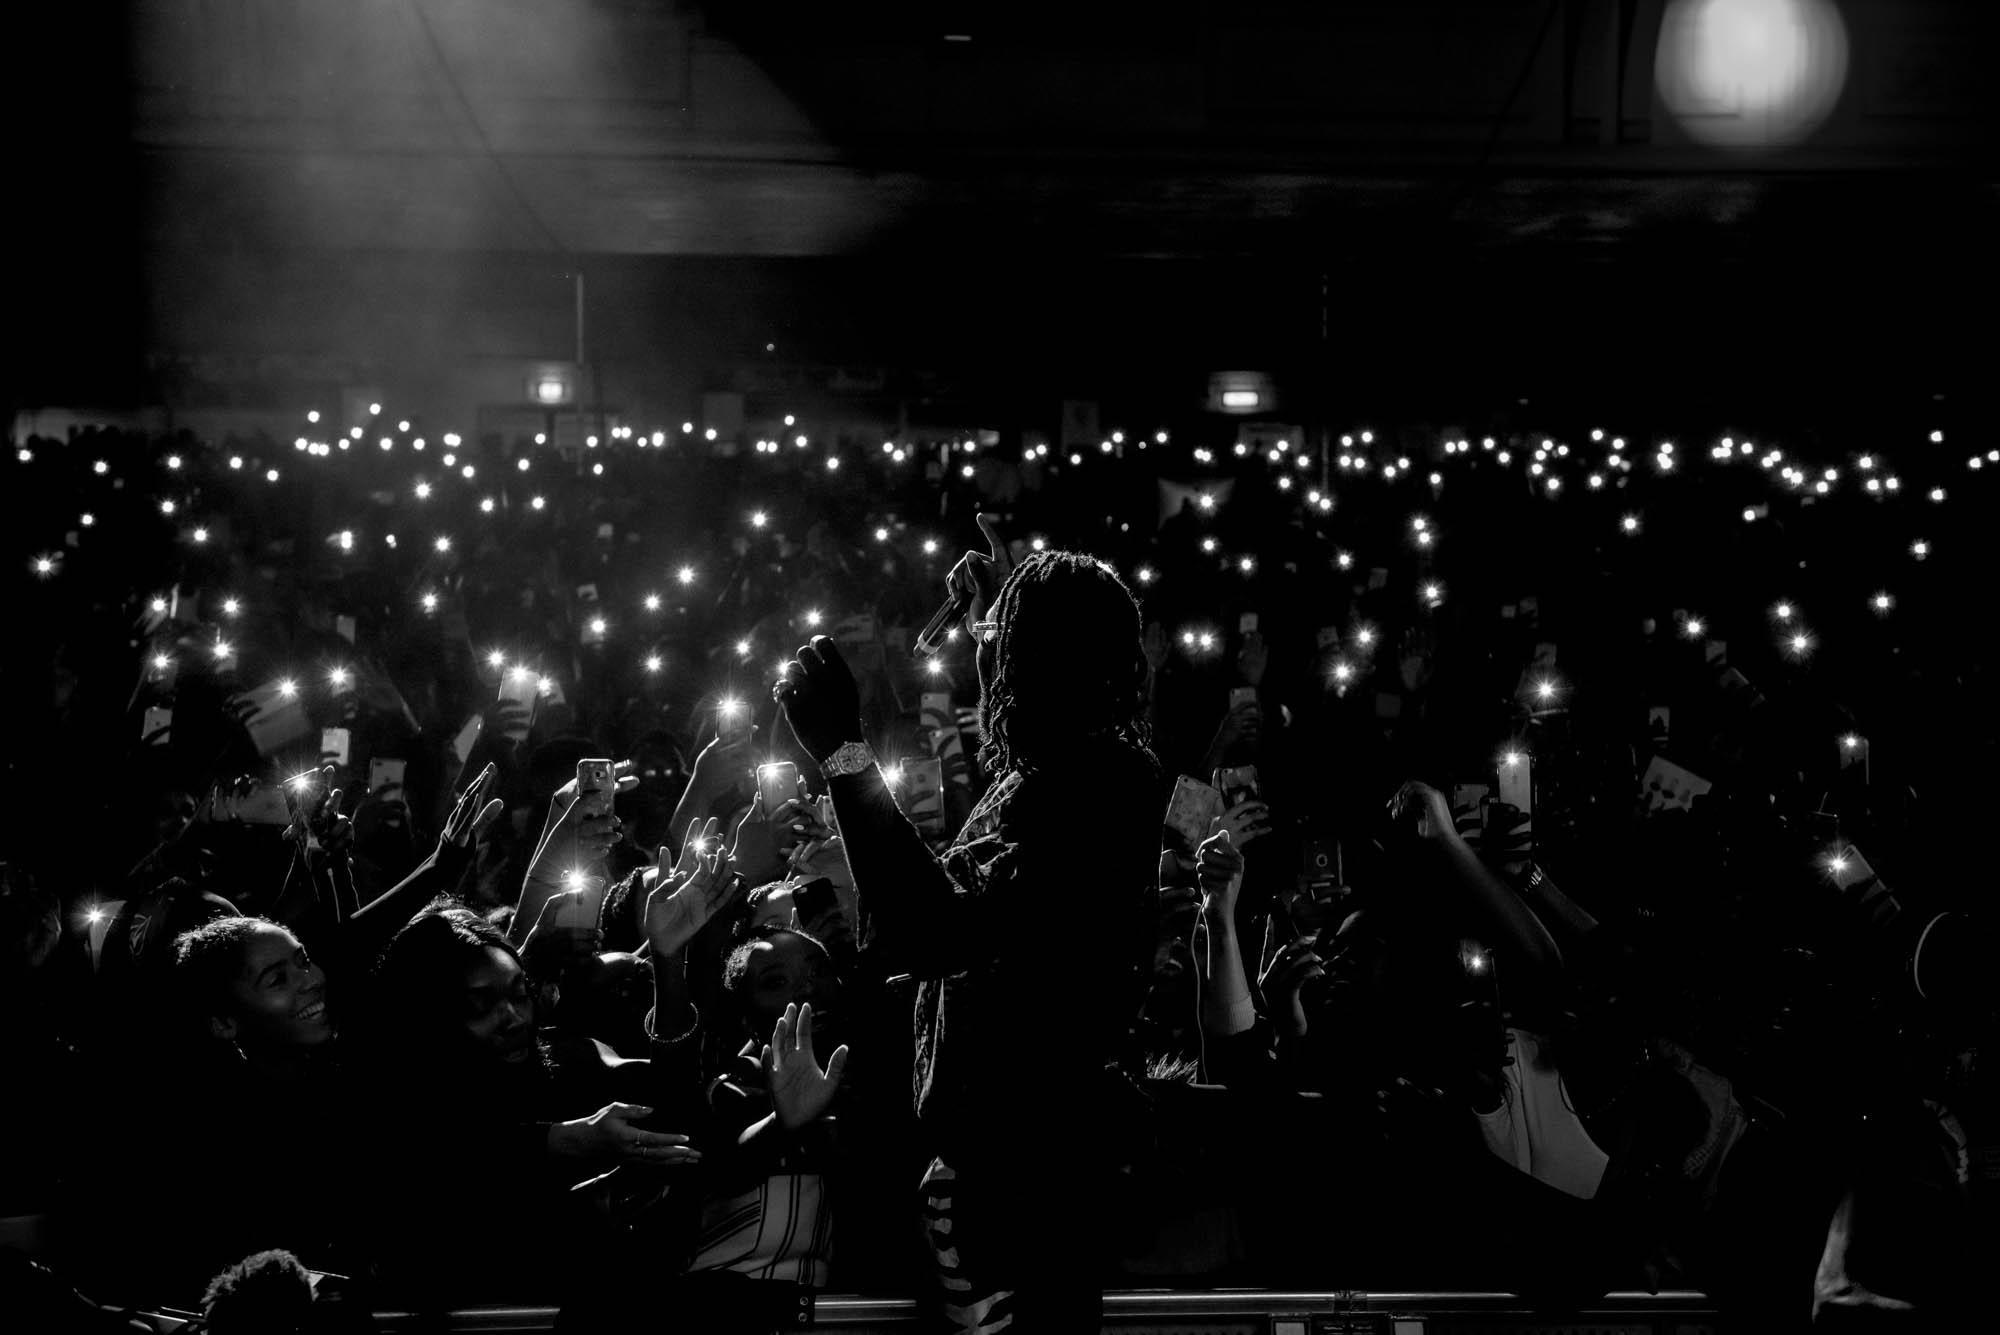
(1238, 1312)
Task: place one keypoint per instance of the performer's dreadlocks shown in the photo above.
(1068, 667)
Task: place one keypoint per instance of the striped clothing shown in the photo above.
(968, 1306)
(780, 1229)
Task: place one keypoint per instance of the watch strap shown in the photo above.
(848, 758)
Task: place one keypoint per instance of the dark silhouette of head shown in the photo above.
(1066, 672)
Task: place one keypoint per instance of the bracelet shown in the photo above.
(847, 758)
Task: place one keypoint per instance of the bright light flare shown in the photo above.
(1750, 74)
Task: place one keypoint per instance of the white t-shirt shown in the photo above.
(1537, 1130)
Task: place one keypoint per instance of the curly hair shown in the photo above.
(1068, 667)
(268, 1293)
(417, 979)
(207, 960)
(736, 969)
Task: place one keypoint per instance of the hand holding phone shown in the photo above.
(596, 786)
(814, 900)
(1247, 820)
(1238, 784)
(777, 784)
(521, 688)
(732, 722)
(1192, 812)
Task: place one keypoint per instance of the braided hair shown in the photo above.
(1068, 669)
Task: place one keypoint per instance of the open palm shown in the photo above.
(685, 898)
(800, 1090)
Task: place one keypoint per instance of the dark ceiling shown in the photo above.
(1417, 153)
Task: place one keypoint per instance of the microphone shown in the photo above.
(948, 614)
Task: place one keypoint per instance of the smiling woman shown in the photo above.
(256, 1085)
(254, 988)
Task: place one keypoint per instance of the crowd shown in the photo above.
(420, 900)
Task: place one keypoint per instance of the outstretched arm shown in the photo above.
(1506, 919)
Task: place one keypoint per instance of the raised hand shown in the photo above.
(472, 813)
(979, 576)
(319, 820)
(1220, 866)
(609, 1133)
(576, 838)
(1415, 658)
(724, 761)
(1283, 980)
(797, 823)
(1245, 821)
(1253, 658)
(1423, 810)
(800, 1090)
(551, 947)
(682, 903)
(819, 697)
(1242, 726)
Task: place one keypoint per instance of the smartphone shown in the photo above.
(814, 899)
(385, 772)
(1321, 862)
(732, 720)
(1191, 811)
(305, 787)
(277, 721)
(523, 688)
(265, 805)
(338, 743)
(1246, 624)
(155, 727)
(344, 628)
(1517, 784)
(597, 784)
(921, 793)
(1237, 785)
(1240, 696)
(777, 784)
(163, 677)
(467, 737)
(582, 906)
(934, 711)
(1481, 972)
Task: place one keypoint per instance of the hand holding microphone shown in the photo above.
(972, 587)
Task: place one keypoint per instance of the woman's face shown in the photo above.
(278, 997)
(773, 910)
(499, 1011)
(788, 968)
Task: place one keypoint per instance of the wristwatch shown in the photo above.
(849, 758)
